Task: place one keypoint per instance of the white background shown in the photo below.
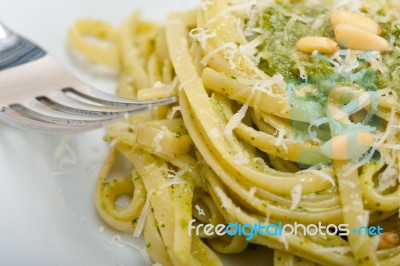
(49, 219)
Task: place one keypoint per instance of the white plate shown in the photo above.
(48, 217)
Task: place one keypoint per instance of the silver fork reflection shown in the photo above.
(37, 93)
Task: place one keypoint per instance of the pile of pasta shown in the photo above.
(225, 152)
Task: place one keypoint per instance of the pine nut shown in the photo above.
(336, 148)
(348, 146)
(388, 240)
(356, 20)
(321, 44)
(365, 138)
(357, 39)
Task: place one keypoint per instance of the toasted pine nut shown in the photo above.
(336, 148)
(321, 44)
(356, 20)
(357, 39)
(349, 146)
(388, 240)
(365, 138)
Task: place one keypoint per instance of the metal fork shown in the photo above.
(37, 93)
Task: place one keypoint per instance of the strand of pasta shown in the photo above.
(282, 258)
(355, 216)
(107, 191)
(167, 212)
(374, 199)
(96, 53)
(295, 244)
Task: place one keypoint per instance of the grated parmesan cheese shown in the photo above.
(295, 194)
(206, 59)
(250, 49)
(363, 218)
(173, 111)
(241, 159)
(300, 66)
(282, 239)
(388, 178)
(117, 240)
(389, 129)
(350, 168)
(158, 137)
(206, 3)
(252, 192)
(65, 155)
(281, 135)
(143, 214)
(213, 133)
(318, 22)
(225, 201)
(202, 35)
(235, 121)
(241, 6)
(239, 26)
(339, 250)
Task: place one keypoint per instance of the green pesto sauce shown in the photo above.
(391, 58)
(283, 33)
(283, 25)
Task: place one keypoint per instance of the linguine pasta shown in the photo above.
(248, 140)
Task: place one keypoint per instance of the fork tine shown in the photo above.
(37, 110)
(13, 118)
(63, 103)
(114, 101)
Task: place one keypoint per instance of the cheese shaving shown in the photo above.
(201, 35)
(300, 66)
(145, 210)
(64, 154)
(282, 239)
(389, 129)
(295, 194)
(250, 49)
(206, 59)
(213, 133)
(235, 121)
(173, 111)
(388, 178)
(247, 5)
(117, 240)
(158, 137)
(281, 135)
(225, 201)
(241, 159)
(339, 250)
(143, 214)
(252, 192)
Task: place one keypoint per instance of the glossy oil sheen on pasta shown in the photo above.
(261, 132)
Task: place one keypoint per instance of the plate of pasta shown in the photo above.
(282, 148)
